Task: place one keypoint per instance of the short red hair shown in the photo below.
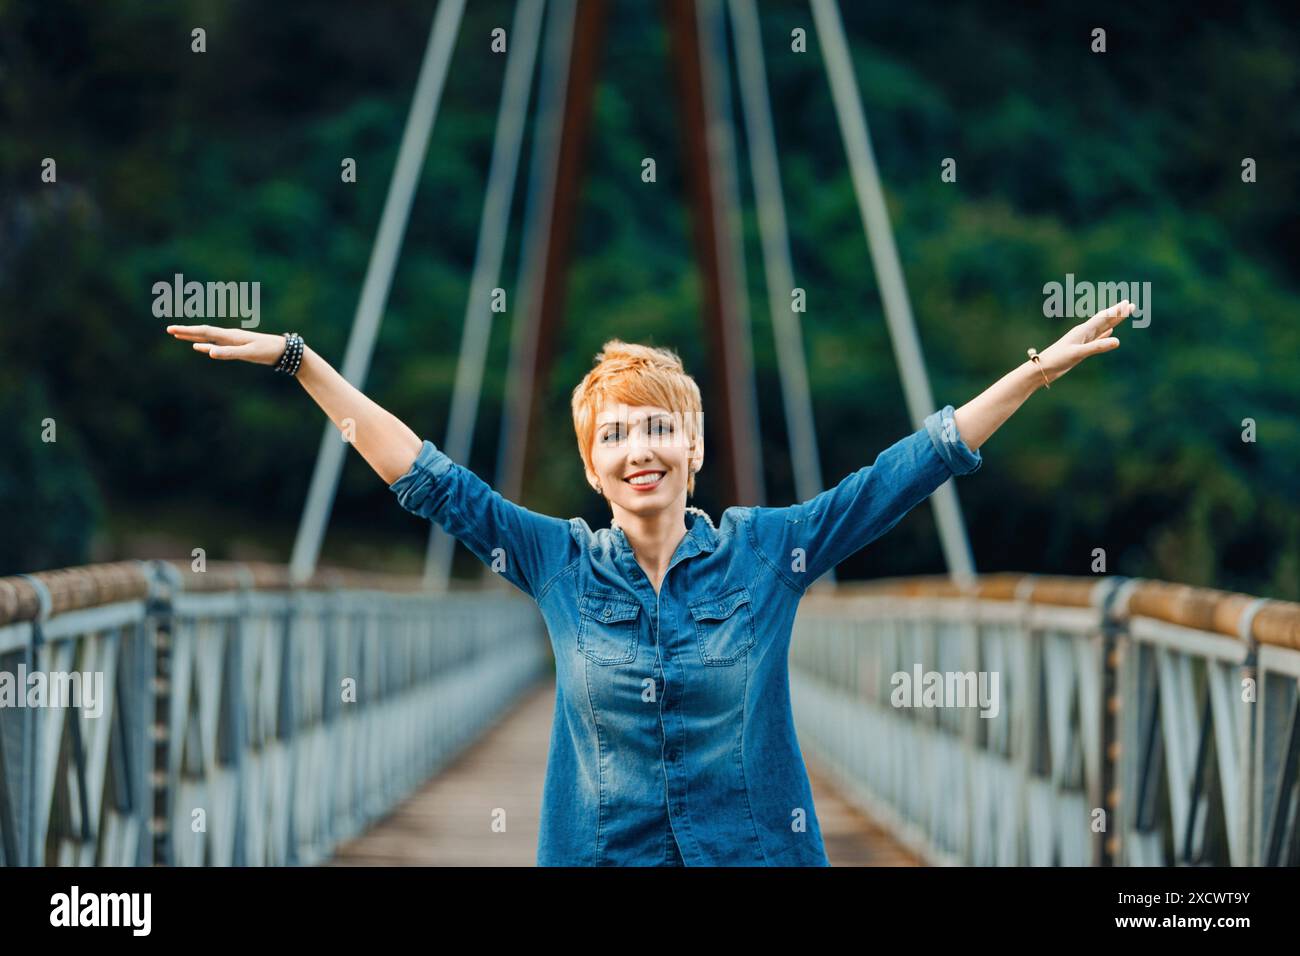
(629, 374)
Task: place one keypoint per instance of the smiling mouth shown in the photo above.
(643, 485)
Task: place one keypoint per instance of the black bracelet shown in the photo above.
(291, 358)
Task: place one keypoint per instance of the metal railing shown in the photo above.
(244, 720)
(1136, 722)
(247, 721)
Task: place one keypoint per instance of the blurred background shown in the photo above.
(1120, 166)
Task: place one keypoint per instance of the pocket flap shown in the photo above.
(608, 608)
(719, 608)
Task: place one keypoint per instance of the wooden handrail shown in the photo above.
(93, 585)
(1205, 609)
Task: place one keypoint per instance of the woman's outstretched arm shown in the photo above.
(803, 541)
(382, 439)
(985, 413)
(528, 549)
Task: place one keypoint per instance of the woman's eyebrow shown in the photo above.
(618, 421)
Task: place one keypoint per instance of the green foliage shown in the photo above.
(48, 500)
(225, 165)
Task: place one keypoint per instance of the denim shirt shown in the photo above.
(673, 739)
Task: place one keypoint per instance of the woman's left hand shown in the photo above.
(1087, 338)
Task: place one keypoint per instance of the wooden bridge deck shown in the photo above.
(447, 822)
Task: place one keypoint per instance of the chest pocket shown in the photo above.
(608, 627)
(724, 625)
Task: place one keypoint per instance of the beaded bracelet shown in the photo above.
(291, 359)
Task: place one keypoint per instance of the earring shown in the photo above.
(598, 491)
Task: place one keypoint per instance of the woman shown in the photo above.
(673, 741)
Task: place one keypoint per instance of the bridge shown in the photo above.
(356, 718)
(267, 714)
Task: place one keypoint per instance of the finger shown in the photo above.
(184, 331)
(228, 352)
(188, 333)
(1109, 318)
(213, 351)
(207, 333)
(1098, 323)
(1100, 345)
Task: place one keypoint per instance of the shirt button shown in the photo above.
(608, 612)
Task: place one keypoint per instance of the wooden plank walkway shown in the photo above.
(448, 822)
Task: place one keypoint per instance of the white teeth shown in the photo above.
(644, 479)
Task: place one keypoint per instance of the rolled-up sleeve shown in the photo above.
(526, 547)
(802, 542)
(956, 454)
(430, 464)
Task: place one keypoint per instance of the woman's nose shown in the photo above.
(639, 456)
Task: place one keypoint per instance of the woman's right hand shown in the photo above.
(256, 347)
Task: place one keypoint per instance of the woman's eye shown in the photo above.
(661, 427)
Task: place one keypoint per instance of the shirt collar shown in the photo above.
(701, 535)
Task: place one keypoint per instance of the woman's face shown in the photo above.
(633, 439)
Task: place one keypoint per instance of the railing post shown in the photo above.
(1024, 731)
(289, 622)
(1113, 626)
(235, 707)
(29, 849)
(1248, 785)
(159, 621)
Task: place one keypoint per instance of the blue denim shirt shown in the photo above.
(673, 740)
